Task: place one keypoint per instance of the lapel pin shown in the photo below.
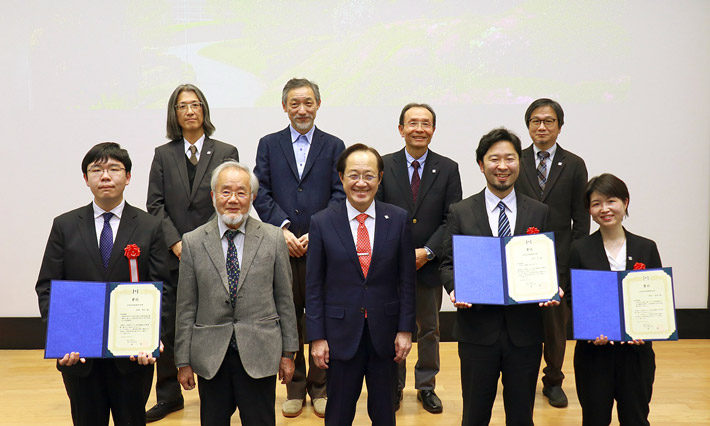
(209, 152)
(631, 258)
(560, 163)
(433, 170)
(387, 216)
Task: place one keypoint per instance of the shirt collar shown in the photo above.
(224, 228)
(117, 211)
(492, 200)
(552, 150)
(198, 144)
(353, 212)
(295, 134)
(409, 158)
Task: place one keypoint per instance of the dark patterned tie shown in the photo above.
(106, 240)
(193, 157)
(542, 169)
(415, 180)
(503, 224)
(233, 271)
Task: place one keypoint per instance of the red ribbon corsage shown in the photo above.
(639, 265)
(532, 230)
(132, 251)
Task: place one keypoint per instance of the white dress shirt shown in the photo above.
(198, 144)
(369, 221)
(238, 239)
(548, 161)
(114, 222)
(511, 210)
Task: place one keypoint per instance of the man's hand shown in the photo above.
(286, 369)
(320, 353)
(460, 305)
(553, 302)
(71, 359)
(402, 345)
(177, 249)
(295, 248)
(420, 254)
(304, 241)
(601, 340)
(186, 378)
(144, 358)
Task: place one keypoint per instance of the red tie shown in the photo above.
(363, 244)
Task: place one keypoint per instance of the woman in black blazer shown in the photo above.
(605, 371)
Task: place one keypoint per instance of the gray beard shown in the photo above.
(232, 219)
(304, 126)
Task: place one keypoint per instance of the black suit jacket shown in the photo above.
(589, 253)
(282, 194)
(439, 188)
(564, 194)
(482, 324)
(72, 253)
(170, 198)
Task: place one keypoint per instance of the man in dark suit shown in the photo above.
(179, 195)
(496, 339)
(424, 183)
(360, 309)
(87, 244)
(296, 171)
(555, 177)
(236, 325)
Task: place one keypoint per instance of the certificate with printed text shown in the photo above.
(103, 320)
(505, 271)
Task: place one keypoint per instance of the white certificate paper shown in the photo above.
(134, 319)
(649, 312)
(531, 267)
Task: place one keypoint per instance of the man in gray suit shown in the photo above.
(236, 324)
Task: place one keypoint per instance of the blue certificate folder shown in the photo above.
(480, 270)
(79, 318)
(598, 305)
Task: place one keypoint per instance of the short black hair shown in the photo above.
(609, 186)
(340, 165)
(542, 102)
(416, 105)
(497, 135)
(101, 153)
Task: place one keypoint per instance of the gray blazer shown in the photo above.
(263, 319)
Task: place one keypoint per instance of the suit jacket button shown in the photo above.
(235, 321)
(226, 302)
(414, 220)
(300, 189)
(296, 211)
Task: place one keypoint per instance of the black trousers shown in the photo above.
(232, 387)
(482, 365)
(345, 383)
(554, 319)
(107, 391)
(606, 373)
(167, 387)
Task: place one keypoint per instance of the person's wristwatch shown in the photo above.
(289, 355)
(429, 254)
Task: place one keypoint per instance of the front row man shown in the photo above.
(87, 244)
(360, 292)
(236, 325)
(496, 339)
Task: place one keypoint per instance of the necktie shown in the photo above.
(106, 239)
(193, 157)
(363, 244)
(503, 224)
(415, 180)
(233, 271)
(542, 169)
(301, 150)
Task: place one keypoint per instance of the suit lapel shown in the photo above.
(341, 225)
(631, 250)
(179, 157)
(213, 247)
(126, 228)
(480, 215)
(383, 224)
(598, 255)
(205, 158)
(287, 148)
(531, 171)
(521, 219)
(252, 241)
(558, 163)
(313, 152)
(87, 230)
(401, 175)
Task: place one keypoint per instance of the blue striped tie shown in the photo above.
(503, 224)
(106, 240)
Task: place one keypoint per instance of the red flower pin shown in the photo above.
(639, 265)
(532, 230)
(132, 251)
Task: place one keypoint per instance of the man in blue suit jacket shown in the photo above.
(360, 310)
(297, 178)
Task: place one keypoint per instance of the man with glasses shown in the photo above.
(557, 178)
(87, 244)
(179, 194)
(296, 171)
(424, 183)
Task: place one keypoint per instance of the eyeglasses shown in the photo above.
(535, 122)
(366, 178)
(425, 125)
(96, 172)
(226, 195)
(196, 106)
